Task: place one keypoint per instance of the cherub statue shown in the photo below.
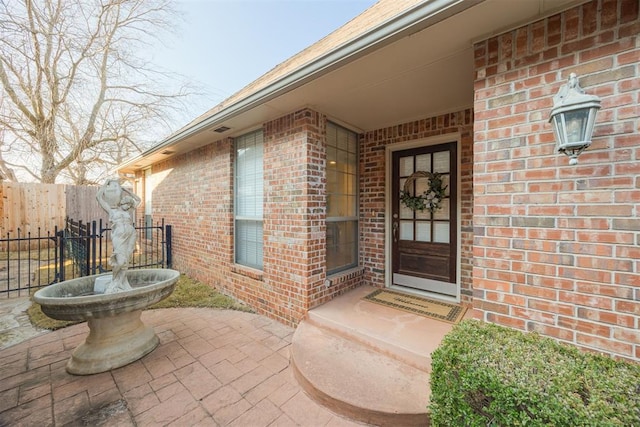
(118, 202)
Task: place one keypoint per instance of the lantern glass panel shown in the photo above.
(576, 125)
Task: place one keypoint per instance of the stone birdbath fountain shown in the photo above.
(111, 303)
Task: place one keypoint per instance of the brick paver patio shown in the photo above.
(212, 368)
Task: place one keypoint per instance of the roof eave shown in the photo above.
(412, 20)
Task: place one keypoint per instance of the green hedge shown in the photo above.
(488, 375)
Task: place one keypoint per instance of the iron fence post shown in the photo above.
(167, 239)
(60, 260)
(93, 246)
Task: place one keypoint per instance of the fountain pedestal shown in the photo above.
(112, 342)
(117, 335)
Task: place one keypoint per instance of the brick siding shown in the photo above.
(556, 246)
(194, 194)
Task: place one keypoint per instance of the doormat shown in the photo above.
(451, 313)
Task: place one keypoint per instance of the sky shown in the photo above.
(223, 45)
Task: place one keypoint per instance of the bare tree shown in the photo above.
(77, 90)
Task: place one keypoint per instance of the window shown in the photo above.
(248, 200)
(342, 199)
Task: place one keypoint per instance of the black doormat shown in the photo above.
(439, 310)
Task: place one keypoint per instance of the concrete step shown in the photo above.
(356, 381)
(403, 336)
(367, 361)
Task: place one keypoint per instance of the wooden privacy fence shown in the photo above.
(38, 208)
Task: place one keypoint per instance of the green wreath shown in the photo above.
(431, 199)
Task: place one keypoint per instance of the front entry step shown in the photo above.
(404, 336)
(357, 381)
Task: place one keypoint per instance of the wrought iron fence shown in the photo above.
(30, 261)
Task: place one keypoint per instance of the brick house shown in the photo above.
(286, 194)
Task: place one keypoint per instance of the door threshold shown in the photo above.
(425, 294)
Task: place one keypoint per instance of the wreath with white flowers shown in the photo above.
(431, 199)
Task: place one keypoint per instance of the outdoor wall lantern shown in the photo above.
(573, 118)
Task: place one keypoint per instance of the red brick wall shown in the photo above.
(195, 195)
(372, 191)
(293, 213)
(556, 246)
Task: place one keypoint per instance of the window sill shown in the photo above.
(344, 275)
(248, 271)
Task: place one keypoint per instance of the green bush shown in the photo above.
(488, 375)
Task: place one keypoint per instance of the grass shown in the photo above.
(41, 320)
(191, 293)
(187, 293)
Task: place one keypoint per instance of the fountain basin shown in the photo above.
(117, 335)
(74, 299)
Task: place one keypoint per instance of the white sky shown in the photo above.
(223, 45)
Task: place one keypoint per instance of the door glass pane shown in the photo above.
(406, 166)
(422, 185)
(443, 212)
(446, 181)
(405, 212)
(406, 230)
(425, 214)
(423, 162)
(423, 231)
(441, 161)
(441, 232)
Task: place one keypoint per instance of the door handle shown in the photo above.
(394, 227)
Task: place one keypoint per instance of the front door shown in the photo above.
(424, 243)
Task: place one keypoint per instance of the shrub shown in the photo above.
(488, 375)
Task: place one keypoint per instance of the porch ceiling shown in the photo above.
(423, 72)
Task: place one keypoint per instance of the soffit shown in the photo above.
(422, 75)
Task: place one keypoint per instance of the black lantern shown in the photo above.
(573, 118)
